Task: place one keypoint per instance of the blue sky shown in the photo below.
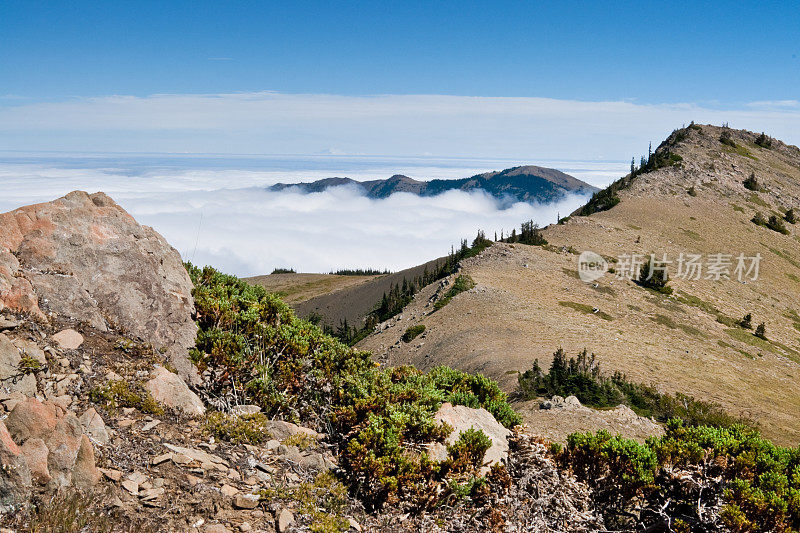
(555, 79)
(650, 52)
(444, 89)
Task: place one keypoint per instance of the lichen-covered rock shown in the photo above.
(32, 419)
(83, 257)
(280, 429)
(30, 349)
(94, 426)
(85, 473)
(36, 452)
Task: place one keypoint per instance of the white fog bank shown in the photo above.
(227, 217)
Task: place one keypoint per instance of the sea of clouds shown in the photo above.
(219, 211)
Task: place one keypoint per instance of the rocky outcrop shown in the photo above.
(558, 417)
(83, 257)
(41, 444)
(12, 377)
(169, 389)
(462, 418)
(280, 429)
(15, 480)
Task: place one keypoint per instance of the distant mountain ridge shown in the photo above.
(524, 184)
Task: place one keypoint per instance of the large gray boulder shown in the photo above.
(83, 257)
(462, 418)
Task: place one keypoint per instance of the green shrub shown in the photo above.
(757, 482)
(691, 191)
(301, 440)
(413, 332)
(581, 377)
(752, 184)
(461, 284)
(761, 331)
(378, 418)
(476, 391)
(471, 487)
(388, 412)
(529, 234)
(747, 321)
(776, 224)
(790, 216)
(284, 271)
(116, 394)
(321, 505)
(759, 220)
(242, 429)
(467, 453)
(29, 365)
(654, 276)
(764, 141)
(600, 201)
(622, 463)
(252, 342)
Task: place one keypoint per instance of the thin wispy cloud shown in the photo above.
(269, 122)
(247, 230)
(775, 104)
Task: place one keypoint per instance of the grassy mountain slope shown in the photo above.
(355, 301)
(297, 288)
(528, 300)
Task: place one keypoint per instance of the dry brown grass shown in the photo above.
(70, 511)
(296, 288)
(514, 314)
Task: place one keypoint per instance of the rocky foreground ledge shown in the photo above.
(104, 415)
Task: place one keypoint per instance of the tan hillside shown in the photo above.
(353, 302)
(298, 288)
(528, 300)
